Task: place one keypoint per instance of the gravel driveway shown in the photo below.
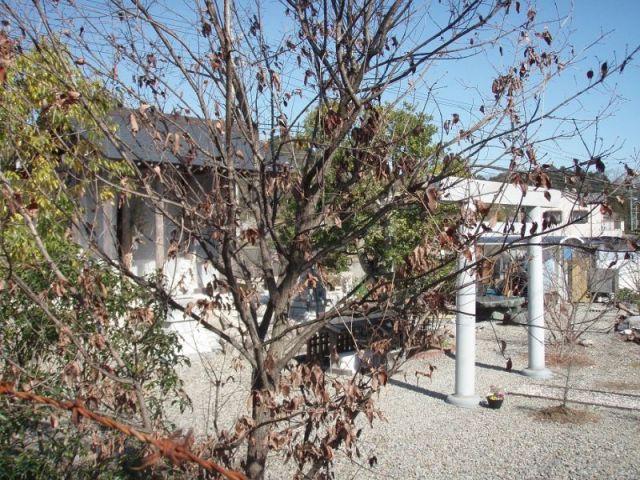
(424, 437)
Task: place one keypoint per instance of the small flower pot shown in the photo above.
(495, 403)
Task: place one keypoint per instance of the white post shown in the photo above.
(535, 288)
(159, 228)
(465, 395)
(109, 242)
(126, 239)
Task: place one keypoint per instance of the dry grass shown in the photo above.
(564, 359)
(562, 414)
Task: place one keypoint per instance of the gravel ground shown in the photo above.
(424, 437)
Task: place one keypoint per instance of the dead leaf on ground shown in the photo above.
(562, 414)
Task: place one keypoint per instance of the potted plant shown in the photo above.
(495, 397)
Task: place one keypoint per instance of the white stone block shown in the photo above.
(347, 362)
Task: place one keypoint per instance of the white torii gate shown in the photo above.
(497, 193)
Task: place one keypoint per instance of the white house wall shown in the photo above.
(464, 189)
(629, 272)
(458, 189)
(100, 220)
(187, 274)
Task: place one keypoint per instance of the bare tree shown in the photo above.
(575, 313)
(269, 156)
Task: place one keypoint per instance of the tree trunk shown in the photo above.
(258, 450)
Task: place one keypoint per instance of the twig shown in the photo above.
(167, 447)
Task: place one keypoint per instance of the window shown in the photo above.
(552, 218)
(503, 213)
(579, 216)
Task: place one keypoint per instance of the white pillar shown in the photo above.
(535, 288)
(465, 395)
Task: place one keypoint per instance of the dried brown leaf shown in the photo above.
(431, 198)
(133, 123)
(482, 208)
(175, 147)
(630, 171)
(546, 36)
(143, 108)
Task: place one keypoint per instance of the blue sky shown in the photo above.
(613, 25)
(459, 85)
(620, 18)
(618, 21)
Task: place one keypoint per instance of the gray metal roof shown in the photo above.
(174, 139)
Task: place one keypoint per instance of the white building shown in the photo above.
(142, 234)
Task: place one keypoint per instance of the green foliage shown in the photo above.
(405, 137)
(46, 163)
(71, 326)
(31, 449)
(627, 295)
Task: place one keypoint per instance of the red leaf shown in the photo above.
(176, 143)
(382, 377)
